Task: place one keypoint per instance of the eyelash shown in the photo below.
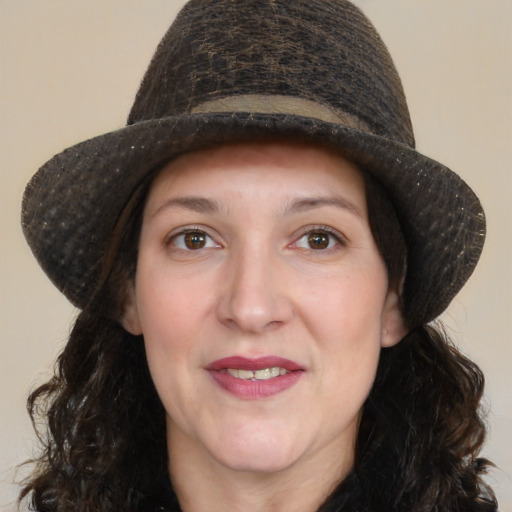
(327, 230)
(172, 238)
(310, 230)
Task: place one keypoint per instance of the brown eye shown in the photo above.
(194, 240)
(318, 240)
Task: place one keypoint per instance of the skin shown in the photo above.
(256, 286)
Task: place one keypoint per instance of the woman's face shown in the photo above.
(264, 303)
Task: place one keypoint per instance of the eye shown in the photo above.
(319, 240)
(192, 240)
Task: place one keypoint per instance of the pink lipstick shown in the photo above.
(255, 379)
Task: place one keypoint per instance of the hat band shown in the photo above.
(280, 104)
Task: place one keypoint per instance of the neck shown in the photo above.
(202, 483)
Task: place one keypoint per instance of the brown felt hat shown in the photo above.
(231, 70)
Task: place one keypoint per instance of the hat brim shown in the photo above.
(73, 202)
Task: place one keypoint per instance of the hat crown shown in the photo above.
(324, 52)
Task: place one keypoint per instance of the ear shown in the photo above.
(393, 324)
(130, 319)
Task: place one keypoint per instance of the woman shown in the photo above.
(257, 256)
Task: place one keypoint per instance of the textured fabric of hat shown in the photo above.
(231, 70)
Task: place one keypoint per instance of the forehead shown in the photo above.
(275, 170)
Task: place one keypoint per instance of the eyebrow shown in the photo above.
(205, 205)
(310, 203)
(195, 204)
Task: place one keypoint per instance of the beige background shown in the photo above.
(69, 71)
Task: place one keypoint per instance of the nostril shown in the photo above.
(255, 319)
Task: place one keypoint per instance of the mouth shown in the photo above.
(265, 374)
(255, 378)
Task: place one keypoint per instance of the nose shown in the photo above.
(255, 296)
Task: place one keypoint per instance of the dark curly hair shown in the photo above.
(104, 441)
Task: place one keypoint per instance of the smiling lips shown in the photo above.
(255, 379)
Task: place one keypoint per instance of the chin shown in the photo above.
(259, 451)
(257, 462)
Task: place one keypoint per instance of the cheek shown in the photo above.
(345, 305)
(164, 323)
(345, 316)
(350, 349)
(169, 304)
(174, 317)
(168, 352)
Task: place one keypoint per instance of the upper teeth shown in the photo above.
(266, 373)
